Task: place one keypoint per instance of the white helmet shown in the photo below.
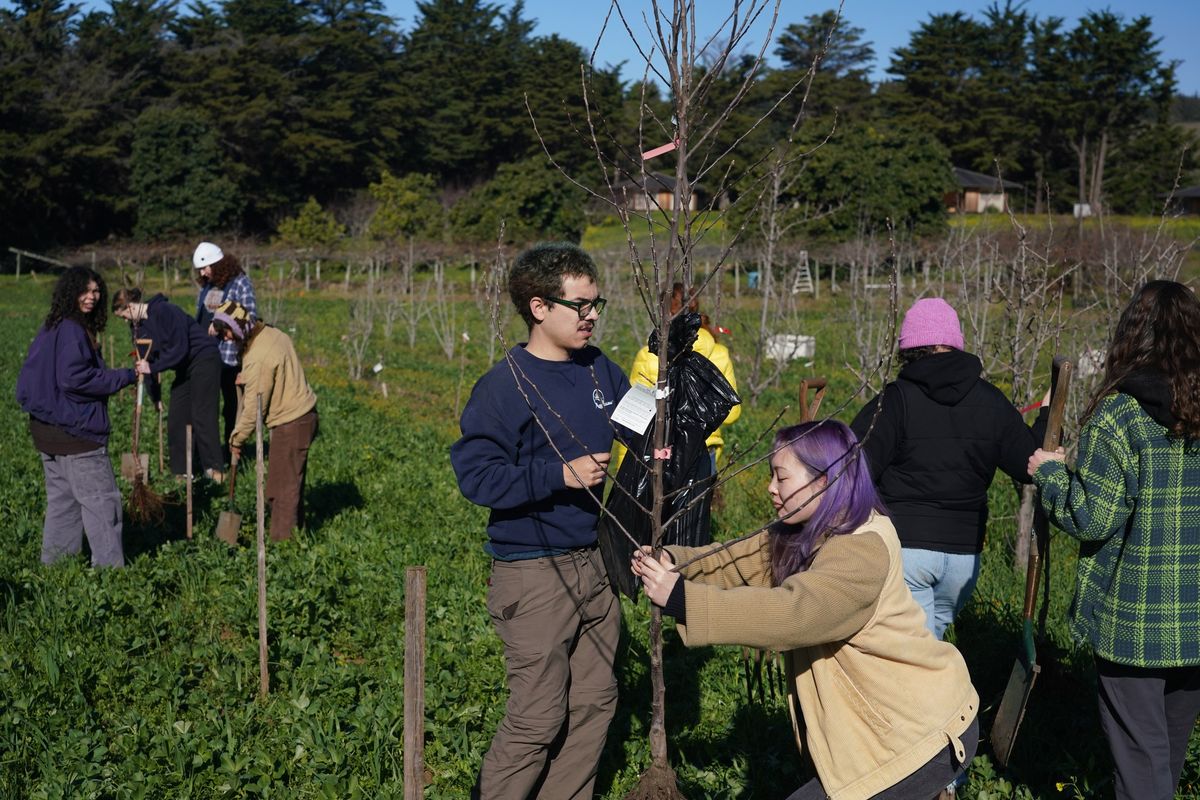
(206, 255)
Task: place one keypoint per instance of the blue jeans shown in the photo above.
(941, 583)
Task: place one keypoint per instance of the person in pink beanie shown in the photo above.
(940, 436)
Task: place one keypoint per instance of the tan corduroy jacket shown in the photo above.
(872, 693)
(271, 368)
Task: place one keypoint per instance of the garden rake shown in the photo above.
(145, 505)
(132, 462)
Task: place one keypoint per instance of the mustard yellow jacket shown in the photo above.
(645, 372)
(871, 693)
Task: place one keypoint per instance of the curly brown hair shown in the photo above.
(540, 270)
(223, 272)
(64, 303)
(1159, 331)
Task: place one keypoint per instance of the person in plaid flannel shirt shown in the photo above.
(1133, 502)
(222, 279)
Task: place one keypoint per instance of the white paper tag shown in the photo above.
(636, 408)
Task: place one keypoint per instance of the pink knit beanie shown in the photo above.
(931, 321)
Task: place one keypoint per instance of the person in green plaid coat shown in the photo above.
(1133, 502)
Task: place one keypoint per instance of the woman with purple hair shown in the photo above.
(884, 708)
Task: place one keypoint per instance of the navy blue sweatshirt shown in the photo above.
(178, 339)
(505, 461)
(65, 383)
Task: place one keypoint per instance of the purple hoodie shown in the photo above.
(178, 340)
(65, 383)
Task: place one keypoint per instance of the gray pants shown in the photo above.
(1147, 715)
(560, 623)
(82, 499)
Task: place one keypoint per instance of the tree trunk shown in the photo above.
(1096, 194)
(1081, 152)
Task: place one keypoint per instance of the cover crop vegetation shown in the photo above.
(141, 682)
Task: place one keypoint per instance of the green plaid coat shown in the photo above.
(1133, 502)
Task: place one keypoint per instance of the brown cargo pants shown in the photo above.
(560, 624)
(287, 471)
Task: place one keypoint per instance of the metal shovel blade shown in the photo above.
(1012, 705)
(129, 465)
(229, 523)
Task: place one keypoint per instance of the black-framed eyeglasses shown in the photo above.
(582, 307)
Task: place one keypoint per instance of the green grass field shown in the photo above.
(142, 682)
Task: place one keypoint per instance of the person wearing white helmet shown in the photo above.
(222, 279)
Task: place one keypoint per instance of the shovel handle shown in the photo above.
(809, 412)
(137, 413)
(233, 465)
(1059, 388)
(139, 343)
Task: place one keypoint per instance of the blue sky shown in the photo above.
(888, 24)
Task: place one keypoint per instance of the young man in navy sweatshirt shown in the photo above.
(535, 445)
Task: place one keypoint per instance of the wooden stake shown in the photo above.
(162, 465)
(188, 479)
(414, 683)
(264, 677)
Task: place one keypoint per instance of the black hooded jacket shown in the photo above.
(940, 436)
(1152, 390)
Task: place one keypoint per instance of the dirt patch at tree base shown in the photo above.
(656, 783)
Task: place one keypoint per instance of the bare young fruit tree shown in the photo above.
(671, 236)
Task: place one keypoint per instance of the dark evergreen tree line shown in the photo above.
(151, 120)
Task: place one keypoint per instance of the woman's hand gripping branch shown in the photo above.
(658, 576)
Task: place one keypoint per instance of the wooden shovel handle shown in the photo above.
(233, 465)
(138, 344)
(809, 412)
(1059, 388)
(137, 413)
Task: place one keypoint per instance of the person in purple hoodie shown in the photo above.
(179, 343)
(64, 386)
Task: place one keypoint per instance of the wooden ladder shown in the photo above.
(803, 280)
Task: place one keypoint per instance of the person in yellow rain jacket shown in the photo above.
(645, 372)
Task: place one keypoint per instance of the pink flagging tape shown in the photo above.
(663, 455)
(658, 151)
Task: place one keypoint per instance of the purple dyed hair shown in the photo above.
(825, 447)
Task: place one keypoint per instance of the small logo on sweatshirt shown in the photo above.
(598, 399)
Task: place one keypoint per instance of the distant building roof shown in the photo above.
(969, 179)
(657, 182)
(1191, 192)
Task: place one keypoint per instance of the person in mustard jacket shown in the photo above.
(884, 708)
(271, 369)
(645, 371)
